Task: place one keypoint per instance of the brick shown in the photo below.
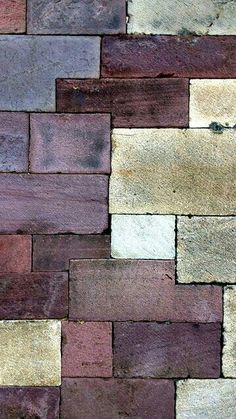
(30, 402)
(114, 398)
(167, 350)
(86, 349)
(52, 253)
(36, 62)
(73, 17)
(209, 17)
(70, 143)
(169, 56)
(30, 353)
(33, 295)
(143, 236)
(132, 103)
(171, 171)
(53, 203)
(137, 290)
(14, 142)
(211, 101)
(15, 253)
(206, 399)
(12, 16)
(229, 348)
(206, 249)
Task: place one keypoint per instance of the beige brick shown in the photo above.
(229, 349)
(173, 171)
(30, 353)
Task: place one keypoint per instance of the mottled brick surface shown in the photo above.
(15, 253)
(229, 348)
(12, 16)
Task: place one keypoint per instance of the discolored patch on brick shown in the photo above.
(15, 253)
(229, 348)
(12, 16)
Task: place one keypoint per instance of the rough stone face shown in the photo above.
(86, 349)
(32, 65)
(53, 203)
(167, 350)
(53, 253)
(76, 17)
(114, 398)
(177, 17)
(70, 143)
(133, 103)
(171, 171)
(203, 399)
(15, 253)
(143, 236)
(137, 290)
(12, 16)
(206, 249)
(229, 349)
(30, 353)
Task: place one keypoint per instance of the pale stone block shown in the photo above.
(229, 349)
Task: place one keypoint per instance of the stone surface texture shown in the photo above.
(229, 349)
(12, 16)
(15, 253)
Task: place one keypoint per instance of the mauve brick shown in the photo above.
(86, 349)
(169, 56)
(33, 295)
(132, 103)
(167, 350)
(53, 203)
(15, 253)
(12, 16)
(122, 290)
(70, 143)
(53, 253)
(96, 398)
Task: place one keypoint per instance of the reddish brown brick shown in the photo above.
(15, 253)
(33, 295)
(87, 398)
(133, 103)
(169, 56)
(87, 349)
(12, 16)
(52, 253)
(167, 350)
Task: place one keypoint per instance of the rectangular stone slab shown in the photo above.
(15, 253)
(229, 348)
(12, 16)
(171, 171)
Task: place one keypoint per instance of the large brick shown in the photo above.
(15, 253)
(113, 399)
(167, 350)
(132, 103)
(53, 203)
(165, 56)
(86, 349)
(137, 290)
(171, 171)
(12, 16)
(33, 296)
(70, 143)
(32, 63)
(229, 349)
(53, 253)
(76, 17)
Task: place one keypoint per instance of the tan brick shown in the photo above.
(229, 349)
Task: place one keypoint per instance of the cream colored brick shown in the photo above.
(229, 349)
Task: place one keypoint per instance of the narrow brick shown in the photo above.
(114, 398)
(167, 350)
(132, 103)
(53, 203)
(229, 349)
(165, 56)
(70, 143)
(12, 16)
(15, 253)
(86, 349)
(53, 253)
(33, 296)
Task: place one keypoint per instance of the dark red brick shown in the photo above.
(12, 16)
(96, 398)
(167, 350)
(133, 103)
(169, 56)
(15, 253)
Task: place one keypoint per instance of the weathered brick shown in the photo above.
(32, 63)
(137, 290)
(52, 253)
(167, 350)
(165, 56)
(12, 16)
(76, 17)
(15, 253)
(229, 349)
(133, 103)
(33, 296)
(53, 203)
(30, 353)
(113, 398)
(70, 143)
(171, 171)
(86, 349)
